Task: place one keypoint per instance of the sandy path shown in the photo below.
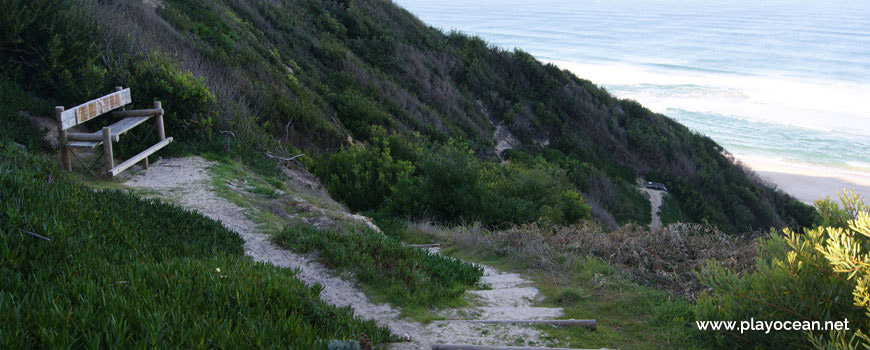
(186, 181)
(655, 199)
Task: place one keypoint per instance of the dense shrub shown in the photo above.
(452, 187)
(188, 102)
(358, 112)
(13, 125)
(364, 176)
(408, 277)
(846, 250)
(809, 276)
(448, 183)
(90, 269)
(50, 46)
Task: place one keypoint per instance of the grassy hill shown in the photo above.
(408, 124)
(105, 269)
(327, 77)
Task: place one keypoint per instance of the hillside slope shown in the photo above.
(318, 75)
(188, 182)
(95, 269)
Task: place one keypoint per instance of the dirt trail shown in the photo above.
(186, 181)
(655, 199)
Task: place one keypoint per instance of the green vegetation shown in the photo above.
(670, 212)
(14, 126)
(398, 120)
(450, 184)
(846, 252)
(404, 276)
(80, 268)
(242, 79)
(629, 315)
(816, 275)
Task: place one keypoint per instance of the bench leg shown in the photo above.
(107, 150)
(65, 152)
(144, 163)
(158, 122)
(62, 140)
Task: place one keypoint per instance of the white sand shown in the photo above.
(808, 183)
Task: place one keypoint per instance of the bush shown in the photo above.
(448, 183)
(846, 250)
(408, 277)
(114, 270)
(363, 176)
(50, 46)
(358, 112)
(451, 187)
(188, 103)
(541, 193)
(16, 127)
(806, 276)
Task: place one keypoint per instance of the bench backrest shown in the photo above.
(94, 108)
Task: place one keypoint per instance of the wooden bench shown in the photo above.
(103, 105)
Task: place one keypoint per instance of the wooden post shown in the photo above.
(158, 121)
(107, 149)
(62, 140)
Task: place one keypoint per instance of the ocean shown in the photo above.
(779, 81)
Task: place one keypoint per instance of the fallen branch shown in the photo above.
(35, 235)
(228, 133)
(270, 155)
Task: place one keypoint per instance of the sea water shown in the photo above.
(787, 81)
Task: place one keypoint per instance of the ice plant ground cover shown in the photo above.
(85, 268)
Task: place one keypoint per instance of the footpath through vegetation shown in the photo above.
(186, 181)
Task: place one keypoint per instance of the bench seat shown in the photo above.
(118, 129)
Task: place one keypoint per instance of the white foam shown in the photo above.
(812, 104)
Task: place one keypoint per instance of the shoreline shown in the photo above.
(805, 182)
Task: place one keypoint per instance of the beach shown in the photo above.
(789, 101)
(808, 183)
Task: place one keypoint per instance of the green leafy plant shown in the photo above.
(364, 176)
(407, 277)
(847, 250)
(808, 276)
